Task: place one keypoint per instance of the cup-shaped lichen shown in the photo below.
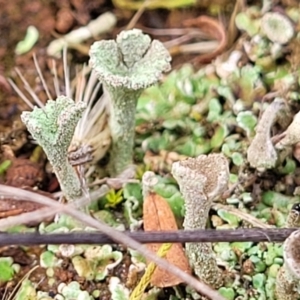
(126, 67)
(53, 128)
(261, 153)
(277, 27)
(288, 277)
(201, 180)
(291, 135)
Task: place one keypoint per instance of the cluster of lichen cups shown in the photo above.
(123, 77)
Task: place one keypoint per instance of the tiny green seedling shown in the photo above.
(31, 37)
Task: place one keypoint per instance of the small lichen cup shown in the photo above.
(288, 277)
(261, 153)
(201, 180)
(53, 128)
(126, 67)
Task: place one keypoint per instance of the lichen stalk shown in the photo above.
(126, 67)
(288, 277)
(122, 127)
(53, 128)
(201, 180)
(261, 153)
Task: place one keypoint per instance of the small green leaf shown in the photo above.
(188, 148)
(256, 250)
(117, 289)
(233, 178)
(270, 287)
(226, 149)
(176, 203)
(7, 271)
(227, 293)
(132, 190)
(247, 121)
(270, 254)
(280, 218)
(228, 217)
(4, 166)
(108, 218)
(259, 280)
(26, 291)
(73, 291)
(172, 195)
(221, 247)
(260, 266)
(237, 158)
(165, 190)
(244, 22)
(215, 109)
(219, 136)
(48, 259)
(242, 246)
(247, 197)
(273, 270)
(83, 267)
(278, 200)
(288, 168)
(114, 198)
(170, 124)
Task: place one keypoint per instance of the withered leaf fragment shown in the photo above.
(157, 215)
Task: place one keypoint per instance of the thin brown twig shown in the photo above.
(255, 235)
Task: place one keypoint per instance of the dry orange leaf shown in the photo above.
(157, 215)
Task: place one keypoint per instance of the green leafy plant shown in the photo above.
(113, 198)
(7, 269)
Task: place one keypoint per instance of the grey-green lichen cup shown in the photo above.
(126, 67)
(201, 180)
(288, 277)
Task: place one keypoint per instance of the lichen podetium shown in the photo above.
(261, 153)
(201, 180)
(287, 282)
(126, 67)
(53, 128)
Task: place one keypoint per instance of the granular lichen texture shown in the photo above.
(126, 67)
(288, 277)
(261, 153)
(201, 180)
(53, 128)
